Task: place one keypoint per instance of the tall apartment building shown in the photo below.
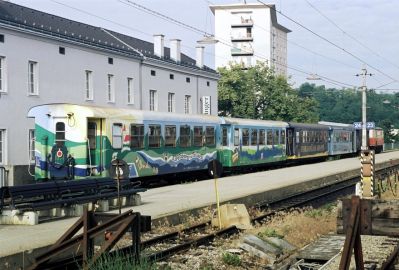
(49, 59)
(249, 33)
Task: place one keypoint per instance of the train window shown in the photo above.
(197, 136)
(154, 136)
(261, 137)
(236, 137)
(91, 135)
(297, 137)
(254, 137)
(117, 136)
(282, 132)
(224, 136)
(210, 136)
(275, 137)
(170, 136)
(269, 137)
(60, 133)
(137, 136)
(245, 136)
(185, 139)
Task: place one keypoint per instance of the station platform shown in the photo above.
(18, 241)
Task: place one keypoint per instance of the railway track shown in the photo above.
(161, 247)
(182, 240)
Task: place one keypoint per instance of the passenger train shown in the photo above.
(76, 141)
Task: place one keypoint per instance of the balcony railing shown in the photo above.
(242, 38)
(242, 51)
(243, 23)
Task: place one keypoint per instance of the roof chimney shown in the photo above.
(159, 45)
(200, 56)
(175, 53)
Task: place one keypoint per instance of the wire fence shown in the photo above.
(391, 146)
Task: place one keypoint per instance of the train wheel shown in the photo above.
(215, 168)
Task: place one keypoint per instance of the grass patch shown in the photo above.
(231, 259)
(270, 232)
(119, 261)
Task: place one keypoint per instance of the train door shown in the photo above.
(95, 147)
(225, 144)
(290, 142)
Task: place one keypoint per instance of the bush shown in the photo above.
(231, 259)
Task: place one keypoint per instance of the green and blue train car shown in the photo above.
(151, 143)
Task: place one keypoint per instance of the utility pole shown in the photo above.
(364, 74)
(367, 157)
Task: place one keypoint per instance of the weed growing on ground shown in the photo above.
(119, 261)
(231, 259)
(269, 232)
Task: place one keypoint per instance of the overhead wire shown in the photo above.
(327, 40)
(121, 25)
(351, 36)
(292, 68)
(191, 28)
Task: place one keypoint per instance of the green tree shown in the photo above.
(257, 93)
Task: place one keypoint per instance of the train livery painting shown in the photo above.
(77, 141)
(150, 143)
(250, 142)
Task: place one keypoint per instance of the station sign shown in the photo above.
(358, 125)
(206, 105)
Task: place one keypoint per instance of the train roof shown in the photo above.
(313, 126)
(251, 122)
(337, 125)
(334, 124)
(62, 110)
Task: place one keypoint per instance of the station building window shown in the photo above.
(198, 136)
(185, 138)
(154, 136)
(111, 88)
(137, 136)
(33, 85)
(187, 104)
(89, 84)
(170, 136)
(130, 92)
(117, 136)
(153, 100)
(2, 146)
(3, 77)
(171, 102)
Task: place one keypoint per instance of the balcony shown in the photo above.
(243, 23)
(242, 51)
(242, 38)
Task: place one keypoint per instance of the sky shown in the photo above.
(347, 34)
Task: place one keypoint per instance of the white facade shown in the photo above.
(40, 67)
(249, 33)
